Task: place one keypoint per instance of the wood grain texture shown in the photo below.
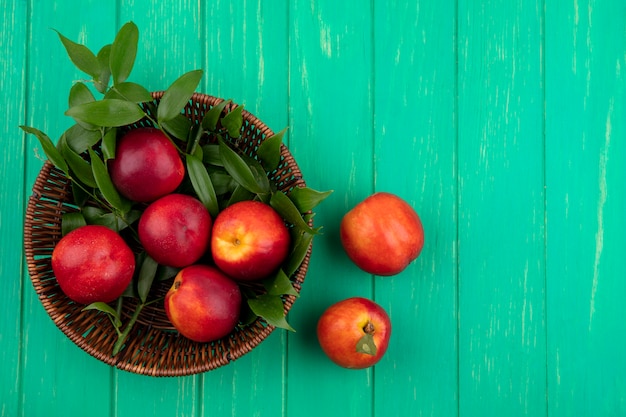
(585, 172)
(13, 41)
(503, 123)
(415, 157)
(331, 137)
(502, 358)
(55, 372)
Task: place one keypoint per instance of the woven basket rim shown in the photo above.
(149, 350)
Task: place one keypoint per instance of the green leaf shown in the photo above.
(79, 94)
(366, 344)
(147, 273)
(81, 56)
(280, 284)
(72, 221)
(97, 215)
(178, 127)
(105, 185)
(177, 95)
(288, 211)
(105, 308)
(131, 290)
(130, 92)
(79, 195)
(109, 144)
(166, 272)
(224, 183)
(202, 184)
(269, 150)
(101, 82)
(270, 308)
(306, 198)
(79, 166)
(123, 52)
(233, 122)
(92, 214)
(49, 149)
(241, 172)
(107, 113)
(211, 155)
(129, 218)
(300, 243)
(246, 316)
(258, 172)
(193, 139)
(210, 119)
(240, 194)
(80, 139)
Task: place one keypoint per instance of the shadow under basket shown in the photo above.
(153, 346)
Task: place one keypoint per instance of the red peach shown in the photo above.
(93, 263)
(203, 304)
(175, 230)
(382, 234)
(354, 333)
(249, 240)
(146, 166)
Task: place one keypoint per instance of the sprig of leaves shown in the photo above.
(219, 173)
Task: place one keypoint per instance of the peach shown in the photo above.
(354, 333)
(249, 240)
(93, 263)
(175, 230)
(146, 166)
(203, 304)
(382, 234)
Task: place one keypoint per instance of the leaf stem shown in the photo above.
(118, 306)
(88, 191)
(122, 337)
(117, 329)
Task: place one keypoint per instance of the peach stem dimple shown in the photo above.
(369, 328)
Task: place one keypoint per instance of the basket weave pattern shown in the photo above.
(153, 347)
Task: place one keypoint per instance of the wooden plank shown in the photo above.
(54, 369)
(13, 35)
(246, 57)
(415, 158)
(153, 396)
(585, 171)
(169, 45)
(514, 305)
(502, 358)
(246, 61)
(170, 40)
(331, 136)
(50, 359)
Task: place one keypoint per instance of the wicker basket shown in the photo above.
(153, 346)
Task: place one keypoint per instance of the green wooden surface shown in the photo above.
(503, 123)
